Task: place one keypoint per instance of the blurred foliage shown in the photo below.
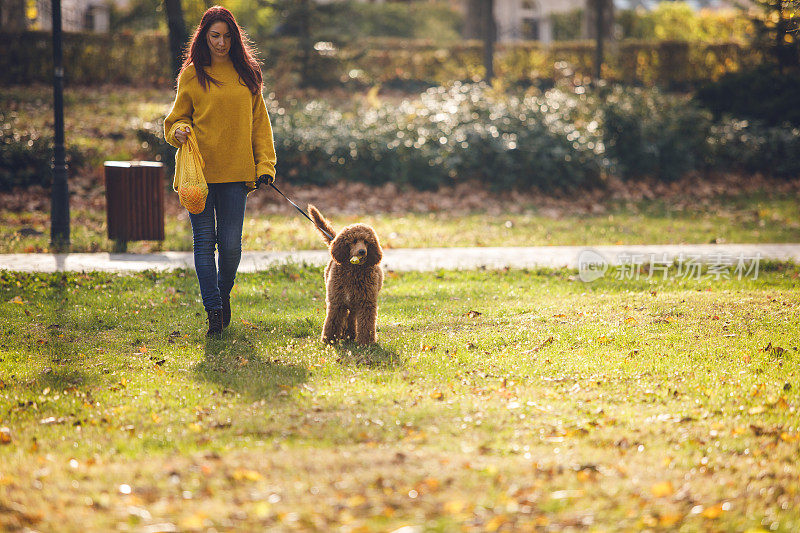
(777, 31)
(568, 25)
(26, 155)
(564, 138)
(653, 134)
(140, 58)
(679, 21)
(336, 21)
(351, 20)
(762, 94)
(744, 146)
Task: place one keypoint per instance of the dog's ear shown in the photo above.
(374, 251)
(340, 249)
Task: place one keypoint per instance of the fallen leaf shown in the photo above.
(473, 314)
(242, 474)
(195, 521)
(662, 489)
(454, 507)
(496, 523)
(712, 512)
(669, 519)
(356, 500)
(5, 436)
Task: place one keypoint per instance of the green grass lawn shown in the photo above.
(753, 218)
(495, 401)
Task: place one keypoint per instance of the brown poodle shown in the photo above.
(353, 278)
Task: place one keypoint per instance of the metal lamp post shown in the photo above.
(59, 199)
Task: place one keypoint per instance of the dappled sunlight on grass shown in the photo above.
(493, 399)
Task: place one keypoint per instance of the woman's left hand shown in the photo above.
(266, 179)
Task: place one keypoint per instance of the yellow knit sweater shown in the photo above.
(231, 124)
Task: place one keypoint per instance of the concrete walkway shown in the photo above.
(427, 259)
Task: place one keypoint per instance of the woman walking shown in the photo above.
(219, 97)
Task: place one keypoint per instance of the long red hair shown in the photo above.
(241, 53)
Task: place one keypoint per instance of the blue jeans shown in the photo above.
(220, 223)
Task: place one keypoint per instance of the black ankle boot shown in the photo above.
(226, 312)
(214, 322)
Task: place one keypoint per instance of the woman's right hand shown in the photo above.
(181, 135)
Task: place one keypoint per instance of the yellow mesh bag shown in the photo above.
(189, 182)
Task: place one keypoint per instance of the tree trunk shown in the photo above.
(12, 15)
(177, 33)
(489, 35)
(473, 20)
(306, 43)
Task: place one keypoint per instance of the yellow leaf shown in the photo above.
(356, 500)
(242, 474)
(437, 395)
(432, 484)
(261, 509)
(712, 512)
(669, 519)
(789, 437)
(195, 521)
(17, 300)
(454, 507)
(662, 489)
(496, 523)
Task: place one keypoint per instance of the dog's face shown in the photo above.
(356, 245)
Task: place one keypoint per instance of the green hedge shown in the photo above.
(141, 59)
(26, 158)
(89, 58)
(762, 94)
(557, 140)
(565, 138)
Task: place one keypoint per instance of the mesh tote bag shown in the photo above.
(189, 182)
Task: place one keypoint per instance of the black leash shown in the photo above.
(259, 182)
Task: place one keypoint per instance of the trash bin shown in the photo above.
(134, 201)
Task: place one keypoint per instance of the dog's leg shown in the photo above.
(350, 332)
(366, 324)
(335, 321)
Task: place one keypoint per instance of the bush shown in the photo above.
(448, 134)
(561, 139)
(761, 94)
(739, 145)
(679, 20)
(141, 59)
(351, 20)
(647, 133)
(26, 157)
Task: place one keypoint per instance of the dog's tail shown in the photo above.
(322, 224)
